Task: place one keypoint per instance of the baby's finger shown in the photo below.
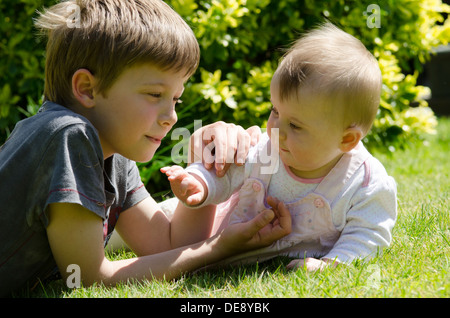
(294, 264)
(164, 169)
(177, 175)
(194, 199)
(186, 184)
(170, 170)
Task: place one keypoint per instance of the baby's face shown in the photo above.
(309, 139)
(138, 111)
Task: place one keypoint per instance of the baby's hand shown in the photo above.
(187, 187)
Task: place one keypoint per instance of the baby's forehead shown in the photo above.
(305, 93)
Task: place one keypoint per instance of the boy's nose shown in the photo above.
(168, 118)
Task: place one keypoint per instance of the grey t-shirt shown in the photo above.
(55, 156)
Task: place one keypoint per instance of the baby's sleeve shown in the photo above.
(219, 189)
(369, 222)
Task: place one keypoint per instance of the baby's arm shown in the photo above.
(368, 223)
(189, 188)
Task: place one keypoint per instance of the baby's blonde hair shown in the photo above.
(108, 36)
(333, 64)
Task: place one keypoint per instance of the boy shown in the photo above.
(69, 172)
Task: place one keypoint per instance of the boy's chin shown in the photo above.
(145, 157)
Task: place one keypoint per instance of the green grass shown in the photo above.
(415, 265)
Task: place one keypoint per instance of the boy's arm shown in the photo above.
(75, 236)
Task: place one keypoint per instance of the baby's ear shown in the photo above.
(350, 138)
(83, 83)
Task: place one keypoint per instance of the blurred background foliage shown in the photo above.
(241, 43)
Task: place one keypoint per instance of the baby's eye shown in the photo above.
(294, 126)
(274, 111)
(156, 95)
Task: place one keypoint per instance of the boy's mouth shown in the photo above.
(156, 140)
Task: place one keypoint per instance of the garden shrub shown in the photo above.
(21, 62)
(241, 43)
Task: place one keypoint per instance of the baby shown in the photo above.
(325, 95)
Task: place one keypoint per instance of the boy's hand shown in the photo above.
(267, 227)
(220, 144)
(187, 187)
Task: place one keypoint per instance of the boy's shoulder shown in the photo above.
(58, 116)
(50, 125)
(52, 119)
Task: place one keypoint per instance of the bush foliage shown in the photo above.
(241, 42)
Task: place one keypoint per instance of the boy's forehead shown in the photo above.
(147, 73)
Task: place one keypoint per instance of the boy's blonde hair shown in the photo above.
(107, 36)
(331, 63)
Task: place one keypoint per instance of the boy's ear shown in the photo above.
(83, 83)
(350, 139)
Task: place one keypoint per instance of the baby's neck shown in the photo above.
(316, 174)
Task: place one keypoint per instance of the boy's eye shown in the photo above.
(274, 111)
(177, 100)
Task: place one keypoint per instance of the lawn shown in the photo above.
(415, 265)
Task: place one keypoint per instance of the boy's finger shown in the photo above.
(242, 147)
(260, 221)
(282, 213)
(255, 133)
(220, 146)
(284, 217)
(221, 173)
(232, 143)
(273, 202)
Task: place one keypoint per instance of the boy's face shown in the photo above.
(309, 139)
(137, 111)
